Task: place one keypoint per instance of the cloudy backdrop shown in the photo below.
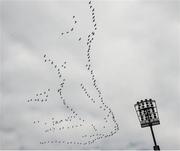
(135, 55)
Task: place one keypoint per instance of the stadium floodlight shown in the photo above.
(148, 116)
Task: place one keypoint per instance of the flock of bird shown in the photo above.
(43, 96)
(107, 128)
(40, 97)
(71, 29)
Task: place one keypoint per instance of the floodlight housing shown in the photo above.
(147, 112)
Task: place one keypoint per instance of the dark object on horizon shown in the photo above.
(148, 116)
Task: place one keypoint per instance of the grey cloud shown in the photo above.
(135, 56)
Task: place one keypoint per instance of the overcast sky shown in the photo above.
(135, 55)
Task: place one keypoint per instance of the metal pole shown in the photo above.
(152, 132)
(156, 147)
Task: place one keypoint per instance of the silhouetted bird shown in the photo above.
(72, 29)
(79, 39)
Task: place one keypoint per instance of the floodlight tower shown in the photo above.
(148, 116)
